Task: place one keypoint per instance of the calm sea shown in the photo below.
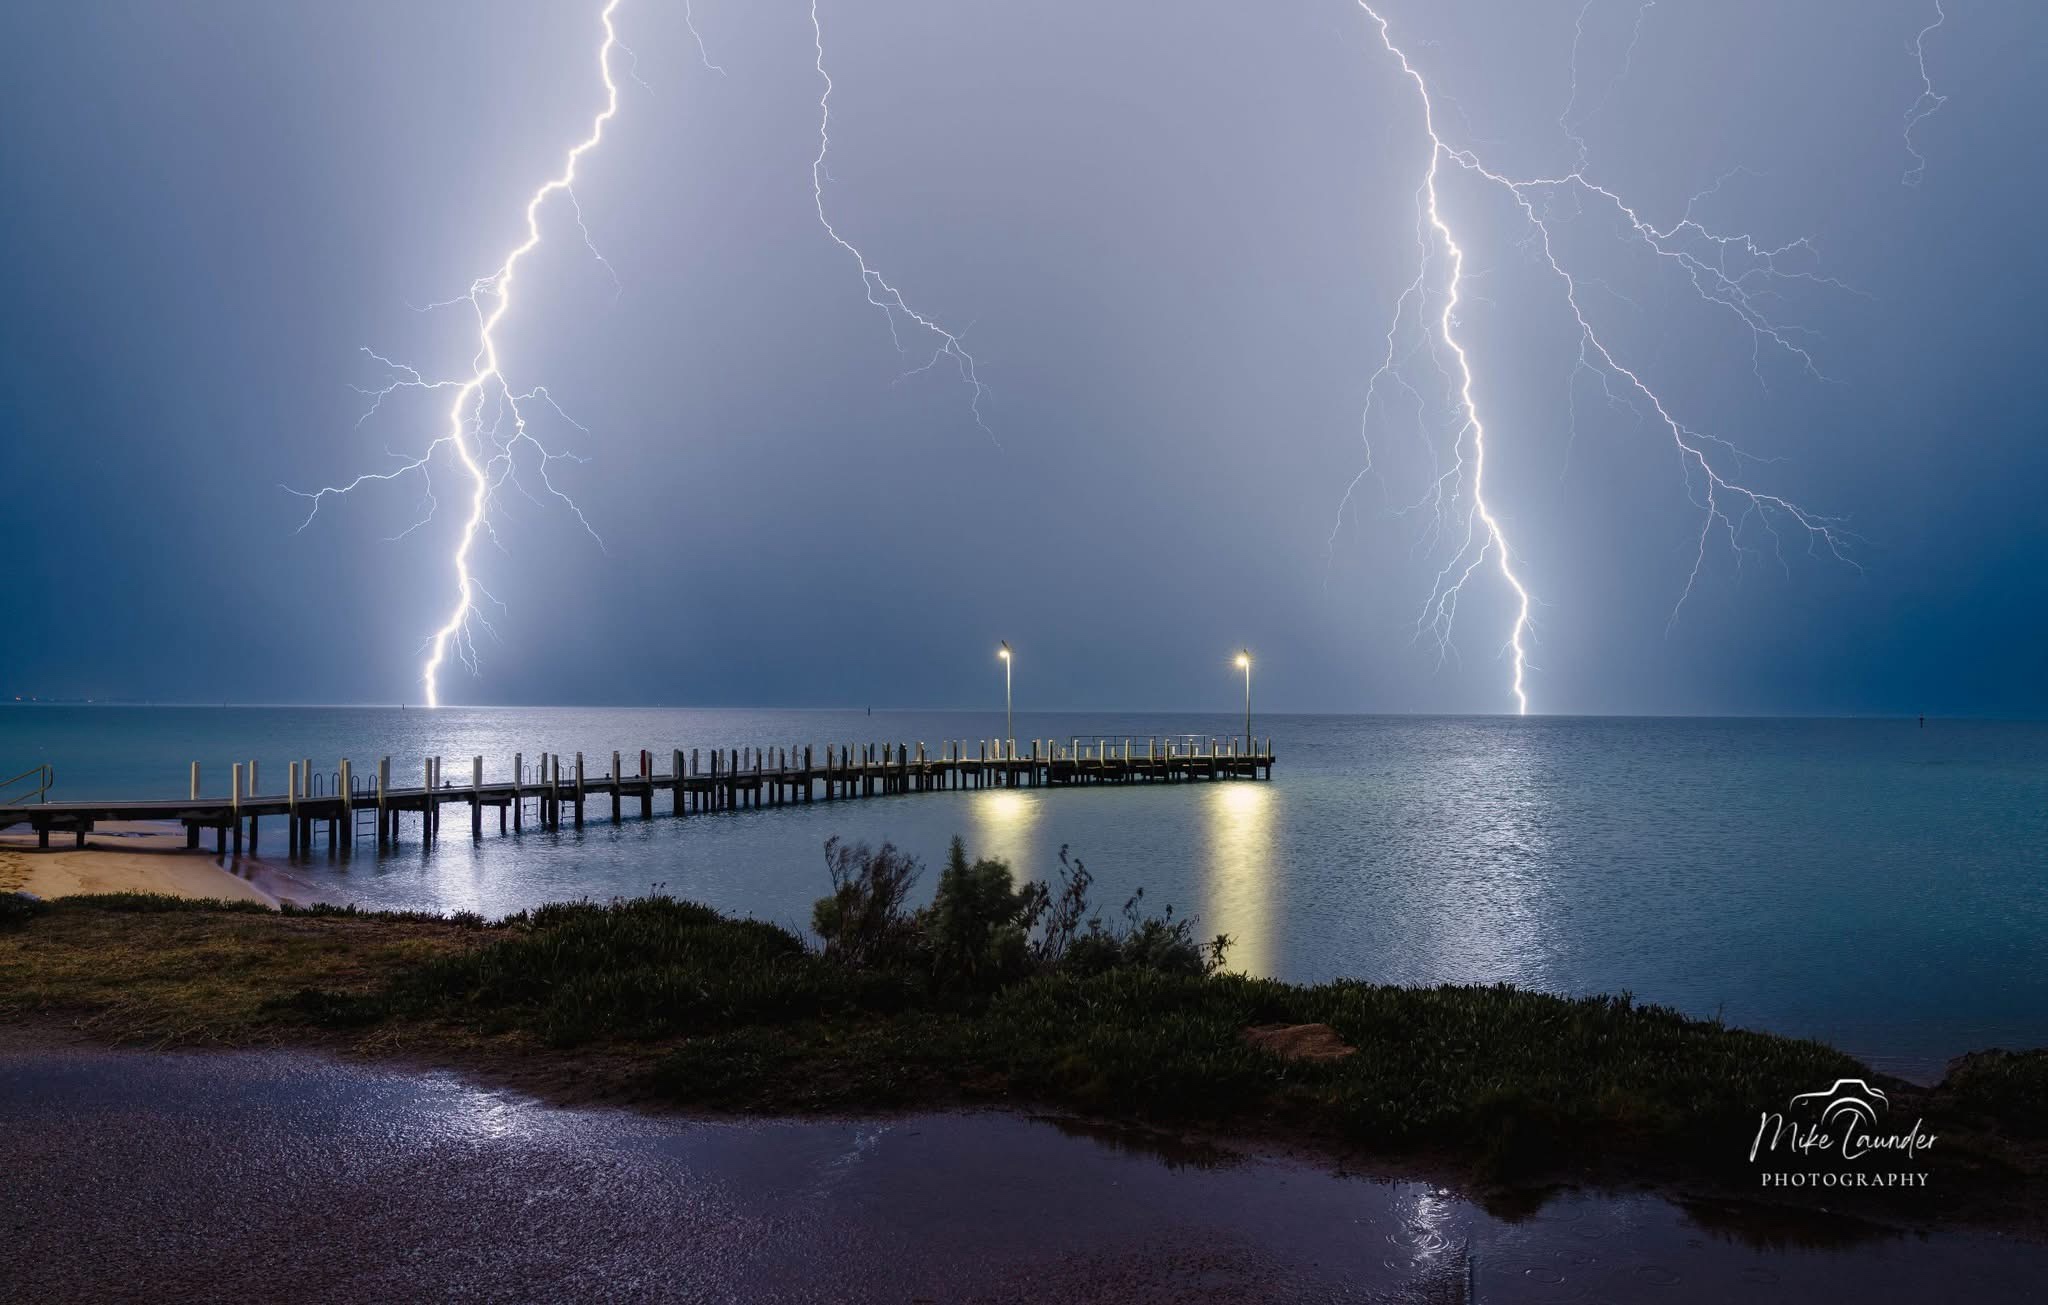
(1869, 882)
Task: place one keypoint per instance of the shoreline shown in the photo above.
(139, 856)
(660, 1005)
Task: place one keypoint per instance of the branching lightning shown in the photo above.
(946, 344)
(1736, 273)
(488, 429)
(1928, 104)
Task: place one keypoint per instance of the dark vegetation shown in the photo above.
(991, 993)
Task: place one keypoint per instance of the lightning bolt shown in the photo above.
(1928, 104)
(1735, 272)
(703, 54)
(946, 344)
(487, 427)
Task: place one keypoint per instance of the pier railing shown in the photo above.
(30, 786)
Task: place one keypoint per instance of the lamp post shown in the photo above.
(1244, 663)
(1009, 725)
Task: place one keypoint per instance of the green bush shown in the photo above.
(982, 931)
(17, 909)
(979, 924)
(867, 922)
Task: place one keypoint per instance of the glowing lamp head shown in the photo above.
(1004, 651)
(1244, 661)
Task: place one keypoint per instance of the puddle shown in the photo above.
(283, 1174)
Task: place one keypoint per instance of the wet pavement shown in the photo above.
(149, 1176)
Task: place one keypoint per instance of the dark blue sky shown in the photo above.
(1175, 235)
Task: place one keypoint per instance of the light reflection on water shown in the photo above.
(1004, 823)
(1483, 908)
(1869, 882)
(1243, 897)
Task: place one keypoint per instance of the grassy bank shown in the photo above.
(667, 1002)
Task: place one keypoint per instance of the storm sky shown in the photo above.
(1173, 234)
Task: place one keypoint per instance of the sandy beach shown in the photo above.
(134, 857)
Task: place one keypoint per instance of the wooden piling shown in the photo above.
(345, 786)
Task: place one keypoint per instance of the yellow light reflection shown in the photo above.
(1242, 877)
(1005, 824)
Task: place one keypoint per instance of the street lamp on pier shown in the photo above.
(1009, 719)
(1244, 663)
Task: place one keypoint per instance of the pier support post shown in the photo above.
(518, 791)
(476, 799)
(346, 787)
(579, 790)
(235, 803)
(291, 803)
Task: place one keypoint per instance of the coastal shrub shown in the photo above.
(982, 930)
(1144, 942)
(1076, 941)
(159, 904)
(641, 968)
(867, 921)
(17, 909)
(1066, 913)
(979, 924)
(2007, 1090)
(329, 910)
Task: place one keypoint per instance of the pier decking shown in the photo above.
(346, 806)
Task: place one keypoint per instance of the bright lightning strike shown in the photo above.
(1734, 272)
(879, 292)
(487, 425)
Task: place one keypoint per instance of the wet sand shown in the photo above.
(133, 856)
(284, 1175)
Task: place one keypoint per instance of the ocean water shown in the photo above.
(1869, 882)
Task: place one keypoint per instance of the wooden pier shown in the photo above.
(345, 806)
